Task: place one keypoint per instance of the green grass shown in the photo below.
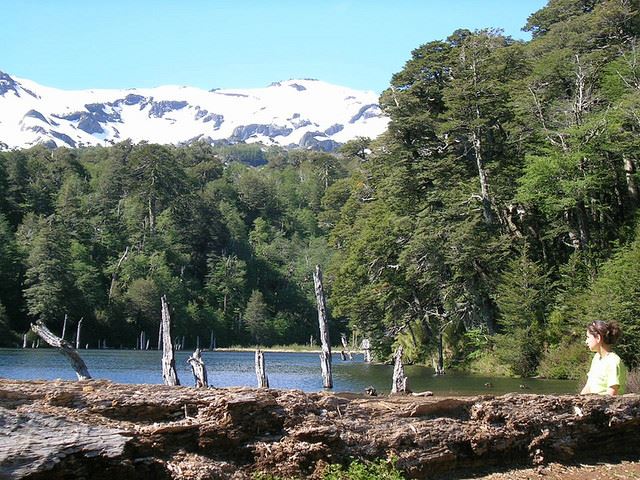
(357, 470)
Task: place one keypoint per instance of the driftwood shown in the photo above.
(64, 347)
(261, 374)
(100, 430)
(199, 369)
(325, 354)
(169, 374)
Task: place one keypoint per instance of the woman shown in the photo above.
(607, 375)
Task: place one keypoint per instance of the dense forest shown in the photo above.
(495, 218)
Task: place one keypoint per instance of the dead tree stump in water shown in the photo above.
(261, 374)
(169, 374)
(346, 353)
(199, 369)
(64, 347)
(325, 355)
(366, 347)
(78, 333)
(399, 379)
(64, 326)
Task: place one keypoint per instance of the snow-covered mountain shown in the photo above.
(305, 113)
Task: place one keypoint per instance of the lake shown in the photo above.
(285, 370)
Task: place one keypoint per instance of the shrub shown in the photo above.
(567, 360)
(379, 470)
(633, 381)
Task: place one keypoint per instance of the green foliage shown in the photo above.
(568, 359)
(357, 470)
(522, 297)
(257, 318)
(615, 296)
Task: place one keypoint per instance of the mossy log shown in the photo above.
(97, 429)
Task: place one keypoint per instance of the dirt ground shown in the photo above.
(621, 470)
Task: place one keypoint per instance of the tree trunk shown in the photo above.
(65, 348)
(169, 374)
(632, 186)
(114, 275)
(399, 379)
(261, 374)
(325, 356)
(440, 366)
(583, 225)
(199, 369)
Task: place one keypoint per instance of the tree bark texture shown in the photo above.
(261, 373)
(169, 374)
(101, 430)
(199, 369)
(325, 355)
(64, 347)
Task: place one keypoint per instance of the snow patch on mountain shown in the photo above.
(306, 113)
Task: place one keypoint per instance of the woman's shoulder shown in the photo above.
(613, 357)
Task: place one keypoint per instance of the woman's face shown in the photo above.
(593, 341)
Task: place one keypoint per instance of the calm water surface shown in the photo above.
(285, 370)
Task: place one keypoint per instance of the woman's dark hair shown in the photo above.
(609, 331)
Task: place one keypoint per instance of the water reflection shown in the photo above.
(285, 370)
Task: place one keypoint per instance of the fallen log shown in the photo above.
(99, 429)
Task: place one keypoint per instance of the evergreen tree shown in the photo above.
(256, 318)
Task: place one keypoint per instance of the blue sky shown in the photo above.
(77, 44)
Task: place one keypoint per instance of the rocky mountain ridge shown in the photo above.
(294, 113)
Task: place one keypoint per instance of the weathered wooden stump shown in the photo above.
(169, 374)
(399, 384)
(198, 369)
(261, 374)
(325, 355)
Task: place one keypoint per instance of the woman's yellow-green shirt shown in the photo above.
(606, 372)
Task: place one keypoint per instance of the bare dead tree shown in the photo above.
(199, 369)
(261, 374)
(399, 379)
(63, 347)
(325, 355)
(169, 374)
